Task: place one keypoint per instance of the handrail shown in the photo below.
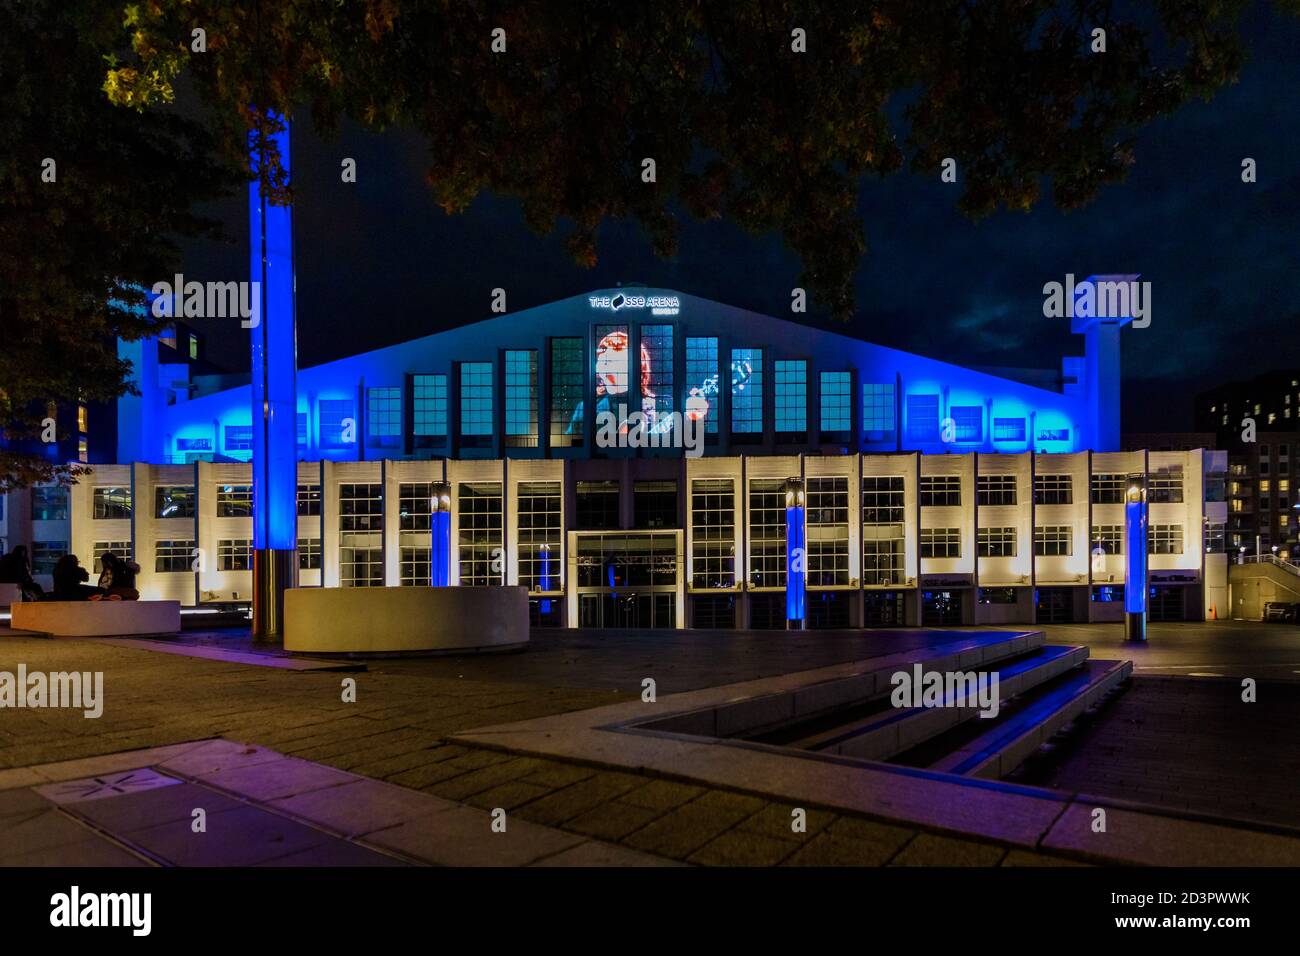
(1271, 559)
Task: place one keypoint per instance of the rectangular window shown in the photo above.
(479, 516)
(1053, 490)
(1008, 429)
(767, 533)
(1166, 487)
(361, 542)
(882, 529)
(997, 489)
(878, 411)
(655, 504)
(791, 381)
(1166, 539)
(968, 423)
(415, 565)
(414, 505)
(235, 554)
(540, 521)
(122, 549)
(234, 501)
(882, 499)
(597, 506)
(300, 427)
(702, 388)
(112, 503)
(940, 491)
(49, 503)
(713, 533)
(828, 531)
(45, 554)
(657, 352)
(361, 507)
(996, 543)
(309, 554)
(429, 410)
(308, 501)
(747, 395)
(1053, 434)
(567, 412)
(521, 398)
(922, 418)
(173, 501)
(174, 555)
(238, 438)
(337, 424)
(836, 406)
(1109, 538)
(476, 404)
(384, 416)
(941, 542)
(1054, 540)
(1108, 489)
(997, 595)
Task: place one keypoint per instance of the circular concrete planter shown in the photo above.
(405, 620)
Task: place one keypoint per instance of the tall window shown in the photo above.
(878, 411)
(597, 505)
(996, 543)
(968, 423)
(567, 412)
(414, 509)
(654, 504)
(713, 533)
(702, 386)
(922, 418)
(112, 503)
(539, 517)
(308, 501)
(384, 416)
(997, 489)
(657, 346)
(479, 541)
(791, 400)
(940, 491)
(747, 396)
(521, 398)
(836, 405)
(429, 410)
(767, 533)
(234, 501)
(476, 404)
(173, 501)
(828, 531)
(1053, 490)
(361, 539)
(1053, 540)
(941, 542)
(337, 423)
(309, 554)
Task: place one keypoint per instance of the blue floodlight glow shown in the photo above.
(1135, 557)
(440, 553)
(274, 353)
(795, 585)
(544, 560)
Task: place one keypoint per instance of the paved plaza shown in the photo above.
(1181, 742)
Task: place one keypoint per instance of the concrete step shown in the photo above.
(1035, 719)
(890, 730)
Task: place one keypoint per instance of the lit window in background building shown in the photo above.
(476, 404)
(701, 384)
(567, 424)
(836, 404)
(521, 398)
(791, 385)
(747, 395)
(429, 410)
(878, 411)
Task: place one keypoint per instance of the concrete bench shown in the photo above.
(405, 620)
(10, 594)
(97, 618)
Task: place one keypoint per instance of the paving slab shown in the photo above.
(276, 779)
(244, 836)
(603, 854)
(362, 806)
(464, 837)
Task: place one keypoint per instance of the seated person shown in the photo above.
(15, 568)
(69, 581)
(117, 579)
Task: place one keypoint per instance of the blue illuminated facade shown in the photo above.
(534, 384)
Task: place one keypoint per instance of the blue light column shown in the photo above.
(440, 549)
(544, 560)
(274, 400)
(1135, 558)
(796, 552)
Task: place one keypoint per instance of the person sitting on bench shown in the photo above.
(16, 569)
(117, 580)
(70, 582)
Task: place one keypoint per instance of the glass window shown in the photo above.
(337, 424)
(878, 411)
(361, 507)
(996, 543)
(1053, 490)
(429, 410)
(968, 423)
(49, 503)
(1108, 537)
(747, 395)
(521, 398)
(702, 380)
(1008, 429)
(882, 499)
(1165, 539)
(1166, 486)
(361, 522)
(713, 533)
(657, 373)
(655, 504)
(922, 418)
(997, 489)
(234, 501)
(120, 548)
(384, 415)
(238, 438)
(1054, 540)
(836, 407)
(112, 503)
(1108, 489)
(767, 533)
(414, 506)
(791, 381)
(540, 521)
(173, 555)
(597, 505)
(309, 554)
(308, 501)
(476, 404)
(828, 531)
(941, 542)
(235, 554)
(567, 413)
(478, 509)
(940, 491)
(45, 554)
(415, 564)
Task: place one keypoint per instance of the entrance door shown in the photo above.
(1055, 606)
(940, 608)
(1165, 603)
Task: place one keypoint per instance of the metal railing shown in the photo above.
(1273, 559)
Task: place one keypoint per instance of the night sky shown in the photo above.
(379, 263)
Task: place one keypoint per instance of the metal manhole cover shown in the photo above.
(105, 785)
